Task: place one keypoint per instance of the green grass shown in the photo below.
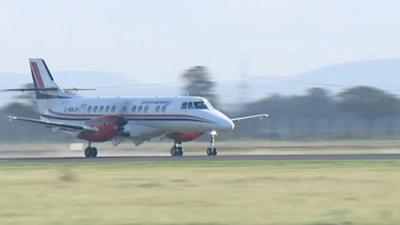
(261, 192)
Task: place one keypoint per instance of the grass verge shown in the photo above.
(216, 192)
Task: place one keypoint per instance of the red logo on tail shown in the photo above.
(36, 75)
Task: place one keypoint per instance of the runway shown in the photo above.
(314, 157)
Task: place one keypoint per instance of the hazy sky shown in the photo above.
(156, 40)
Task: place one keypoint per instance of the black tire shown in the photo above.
(94, 152)
(179, 151)
(173, 151)
(214, 151)
(209, 151)
(87, 152)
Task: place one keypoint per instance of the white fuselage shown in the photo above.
(147, 117)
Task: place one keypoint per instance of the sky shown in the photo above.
(155, 41)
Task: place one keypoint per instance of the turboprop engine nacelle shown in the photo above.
(107, 128)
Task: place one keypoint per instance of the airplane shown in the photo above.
(118, 119)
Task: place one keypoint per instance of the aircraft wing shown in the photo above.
(237, 119)
(54, 124)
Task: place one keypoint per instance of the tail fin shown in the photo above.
(41, 75)
(48, 93)
(46, 87)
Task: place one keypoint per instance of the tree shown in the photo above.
(198, 83)
(369, 104)
(25, 106)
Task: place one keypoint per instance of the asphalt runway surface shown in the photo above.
(315, 157)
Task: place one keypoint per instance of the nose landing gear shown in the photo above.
(212, 150)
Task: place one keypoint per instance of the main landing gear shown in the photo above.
(212, 150)
(90, 152)
(176, 151)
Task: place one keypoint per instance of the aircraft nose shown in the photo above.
(222, 122)
(227, 124)
(231, 124)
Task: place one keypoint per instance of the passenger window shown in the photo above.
(140, 109)
(146, 108)
(133, 109)
(107, 108)
(113, 108)
(184, 105)
(158, 109)
(101, 109)
(164, 108)
(89, 109)
(124, 109)
(190, 105)
(95, 109)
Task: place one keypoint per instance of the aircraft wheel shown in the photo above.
(87, 152)
(174, 151)
(179, 151)
(214, 151)
(209, 151)
(94, 152)
(90, 152)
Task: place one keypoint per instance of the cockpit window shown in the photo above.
(195, 105)
(200, 105)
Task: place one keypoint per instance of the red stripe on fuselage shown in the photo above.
(37, 75)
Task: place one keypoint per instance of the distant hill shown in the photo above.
(383, 74)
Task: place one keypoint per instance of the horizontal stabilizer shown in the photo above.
(46, 89)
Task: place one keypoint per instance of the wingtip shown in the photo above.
(11, 118)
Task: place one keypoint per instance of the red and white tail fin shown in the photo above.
(41, 75)
(48, 92)
(45, 86)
